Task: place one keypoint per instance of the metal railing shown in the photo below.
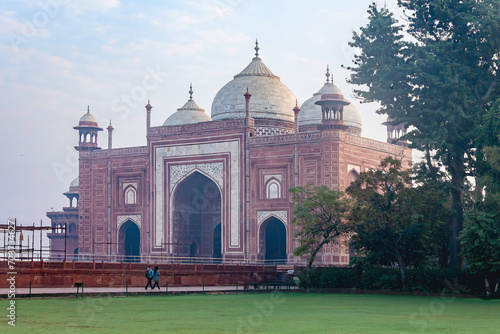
(168, 259)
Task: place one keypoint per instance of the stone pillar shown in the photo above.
(110, 136)
(148, 119)
(296, 111)
(247, 104)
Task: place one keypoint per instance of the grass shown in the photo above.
(255, 313)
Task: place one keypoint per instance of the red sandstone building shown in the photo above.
(217, 186)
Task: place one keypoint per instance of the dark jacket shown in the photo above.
(156, 276)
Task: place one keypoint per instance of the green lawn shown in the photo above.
(255, 313)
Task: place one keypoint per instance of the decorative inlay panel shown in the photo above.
(266, 131)
(178, 172)
(281, 215)
(276, 176)
(133, 184)
(122, 219)
(351, 167)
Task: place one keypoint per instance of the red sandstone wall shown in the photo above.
(99, 274)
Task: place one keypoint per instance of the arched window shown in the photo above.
(273, 189)
(352, 176)
(72, 228)
(130, 196)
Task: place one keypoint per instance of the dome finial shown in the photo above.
(328, 74)
(191, 91)
(88, 109)
(256, 48)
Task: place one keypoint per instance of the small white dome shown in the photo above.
(88, 119)
(270, 97)
(75, 183)
(73, 186)
(189, 113)
(310, 113)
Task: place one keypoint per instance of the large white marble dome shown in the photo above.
(310, 112)
(271, 99)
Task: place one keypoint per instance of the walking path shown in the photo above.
(67, 292)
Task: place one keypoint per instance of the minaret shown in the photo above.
(395, 132)
(110, 136)
(247, 104)
(148, 119)
(87, 130)
(332, 111)
(296, 111)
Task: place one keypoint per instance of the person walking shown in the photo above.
(156, 278)
(149, 276)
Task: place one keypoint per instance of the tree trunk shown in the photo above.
(401, 267)
(310, 263)
(490, 284)
(456, 223)
(314, 253)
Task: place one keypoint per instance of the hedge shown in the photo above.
(417, 280)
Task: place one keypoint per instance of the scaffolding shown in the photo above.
(28, 252)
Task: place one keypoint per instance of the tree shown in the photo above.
(319, 214)
(391, 221)
(488, 162)
(480, 240)
(433, 195)
(437, 73)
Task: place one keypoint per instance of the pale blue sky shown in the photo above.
(58, 58)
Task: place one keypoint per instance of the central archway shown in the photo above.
(129, 242)
(196, 216)
(272, 235)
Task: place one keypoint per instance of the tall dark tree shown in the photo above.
(487, 196)
(433, 191)
(437, 73)
(480, 238)
(391, 221)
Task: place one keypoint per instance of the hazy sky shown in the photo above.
(58, 56)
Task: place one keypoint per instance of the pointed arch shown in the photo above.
(129, 241)
(196, 204)
(273, 240)
(273, 188)
(191, 172)
(130, 195)
(352, 176)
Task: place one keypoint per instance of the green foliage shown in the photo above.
(433, 192)
(437, 74)
(391, 221)
(488, 161)
(417, 280)
(480, 240)
(319, 215)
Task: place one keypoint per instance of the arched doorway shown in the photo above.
(129, 242)
(272, 236)
(217, 242)
(196, 215)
